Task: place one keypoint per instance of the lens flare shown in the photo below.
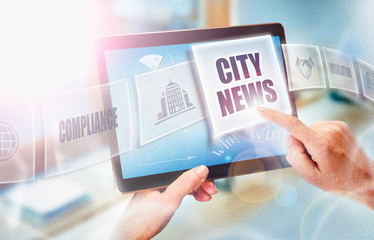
(45, 47)
(258, 187)
(333, 217)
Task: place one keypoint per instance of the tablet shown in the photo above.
(179, 118)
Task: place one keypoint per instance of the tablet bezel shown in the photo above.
(183, 37)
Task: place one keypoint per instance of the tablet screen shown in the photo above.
(169, 117)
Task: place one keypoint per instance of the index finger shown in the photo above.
(292, 124)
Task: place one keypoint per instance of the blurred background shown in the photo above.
(47, 47)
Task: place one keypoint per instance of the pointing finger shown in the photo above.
(299, 159)
(292, 124)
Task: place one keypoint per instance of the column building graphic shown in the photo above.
(174, 101)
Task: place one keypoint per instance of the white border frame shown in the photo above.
(32, 111)
(56, 173)
(319, 59)
(354, 77)
(367, 65)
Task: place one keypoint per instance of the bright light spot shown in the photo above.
(286, 196)
(44, 46)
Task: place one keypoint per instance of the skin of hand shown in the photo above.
(149, 211)
(327, 155)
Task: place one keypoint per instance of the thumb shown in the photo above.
(298, 157)
(187, 183)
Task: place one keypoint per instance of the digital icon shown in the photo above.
(224, 68)
(168, 100)
(370, 79)
(8, 141)
(367, 78)
(174, 101)
(305, 66)
(153, 62)
(340, 70)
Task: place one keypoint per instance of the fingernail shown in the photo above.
(215, 188)
(260, 109)
(289, 141)
(202, 171)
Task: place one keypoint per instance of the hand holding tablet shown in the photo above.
(150, 211)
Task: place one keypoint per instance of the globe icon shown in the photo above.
(8, 141)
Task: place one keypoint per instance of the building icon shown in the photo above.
(174, 101)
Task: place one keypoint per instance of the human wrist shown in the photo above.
(366, 192)
(367, 197)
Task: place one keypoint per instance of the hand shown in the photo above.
(327, 155)
(149, 212)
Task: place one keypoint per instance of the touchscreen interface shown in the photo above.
(170, 112)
